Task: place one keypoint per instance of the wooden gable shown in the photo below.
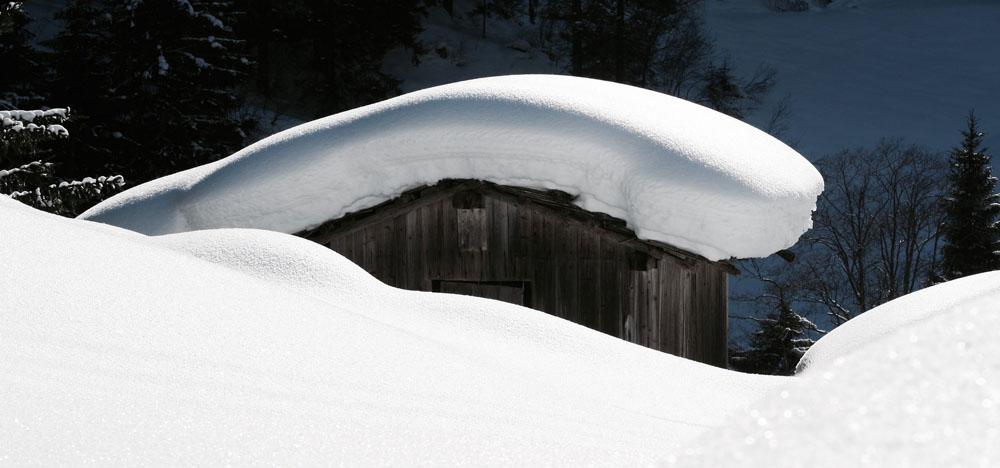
(535, 248)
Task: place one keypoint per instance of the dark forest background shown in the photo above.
(158, 86)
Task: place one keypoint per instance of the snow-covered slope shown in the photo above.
(675, 171)
(247, 347)
(913, 383)
(240, 347)
(900, 313)
(861, 70)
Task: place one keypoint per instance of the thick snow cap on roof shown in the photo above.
(676, 172)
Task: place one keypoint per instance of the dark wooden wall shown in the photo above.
(570, 263)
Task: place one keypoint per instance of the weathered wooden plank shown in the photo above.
(685, 287)
(419, 250)
(472, 230)
(496, 249)
(572, 270)
(588, 288)
(550, 261)
(512, 294)
(357, 252)
(653, 310)
(563, 263)
(366, 246)
(535, 233)
(524, 239)
(611, 288)
(639, 305)
(667, 310)
(722, 309)
(450, 253)
(510, 236)
(436, 233)
(400, 252)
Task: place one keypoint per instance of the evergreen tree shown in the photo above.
(347, 56)
(504, 9)
(274, 35)
(30, 139)
(21, 68)
(658, 45)
(27, 173)
(616, 40)
(970, 230)
(777, 345)
(154, 83)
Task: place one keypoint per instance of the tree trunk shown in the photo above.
(576, 53)
(620, 41)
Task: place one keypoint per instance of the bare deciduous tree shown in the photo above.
(876, 227)
(875, 232)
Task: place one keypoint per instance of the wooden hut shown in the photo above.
(537, 249)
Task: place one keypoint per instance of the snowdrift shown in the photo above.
(245, 347)
(676, 172)
(912, 383)
(903, 312)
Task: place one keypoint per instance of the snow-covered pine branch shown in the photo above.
(34, 124)
(34, 182)
(176, 68)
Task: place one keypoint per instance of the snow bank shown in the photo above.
(241, 347)
(913, 383)
(674, 171)
(247, 347)
(897, 314)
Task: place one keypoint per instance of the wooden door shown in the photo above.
(514, 292)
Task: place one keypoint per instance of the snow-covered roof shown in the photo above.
(676, 172)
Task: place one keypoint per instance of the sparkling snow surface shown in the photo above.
(247, 347)
(674, 171)
(887, 318)
(913, 383)
(239, 347)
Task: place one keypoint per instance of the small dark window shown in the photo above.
(470, 207)
(639, 261)
(514, 292)
(472, 234)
